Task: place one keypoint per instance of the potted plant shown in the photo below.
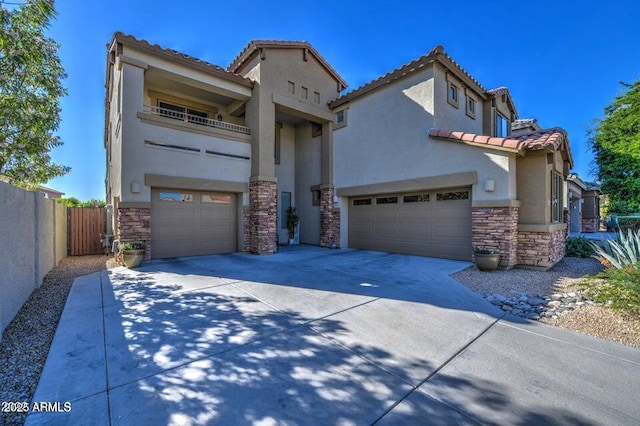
(132, 253)
(487, 258)
(292, 221)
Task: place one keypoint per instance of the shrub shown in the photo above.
(579, 247)
(620, 288)
(136, 245)
(485, 250)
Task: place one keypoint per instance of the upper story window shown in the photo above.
(183, 113)
(305, 93)
(501, 126)
(471, 107)
(453, 94)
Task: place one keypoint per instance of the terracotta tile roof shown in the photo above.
(172, 54)
(554, 139)
(255, 45)
(524, 122)
(436, 54)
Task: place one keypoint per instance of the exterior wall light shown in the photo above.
(135, 187)
(489, 185)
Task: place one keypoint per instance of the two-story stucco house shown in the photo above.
(422, 160)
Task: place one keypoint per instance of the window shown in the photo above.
(556, 197)
(179, 112)
(175, 196)
(423, 198)
(285, 198)
(452, 94)
(316, 97)
(340, 117)
(502, 126)
(216, 198)
(450, 196)
(276, 145)
(364, 202)
(305, 93)
(315, 197)
(387, 200)
(292, 87)
(471, 107)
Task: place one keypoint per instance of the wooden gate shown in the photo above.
(86, 227)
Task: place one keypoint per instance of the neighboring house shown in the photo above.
(421, 161)
(584, 205)
(50, 193)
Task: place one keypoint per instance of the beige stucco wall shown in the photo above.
(286, 174)
(534, 187)
(308, 174)
(139, 159)
(448, 117)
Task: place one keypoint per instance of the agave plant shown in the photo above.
(621, 253)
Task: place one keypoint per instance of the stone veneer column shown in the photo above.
(590, 225)
(329, 219)
(497, 227)
(263, 231)
(541, 249)
(134, 224)
(246, 229)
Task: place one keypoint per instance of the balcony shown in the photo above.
(194, 118)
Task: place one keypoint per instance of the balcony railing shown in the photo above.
(196, 119)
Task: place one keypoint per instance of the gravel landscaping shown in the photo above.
(26, 340)
(563, 304)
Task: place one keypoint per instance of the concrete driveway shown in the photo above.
(318, 336)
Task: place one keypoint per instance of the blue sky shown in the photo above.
(562, 60)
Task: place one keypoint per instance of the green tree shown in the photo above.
(30, 91)
(615, 141)
(74, 202)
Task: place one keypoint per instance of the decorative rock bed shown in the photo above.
(534, 307)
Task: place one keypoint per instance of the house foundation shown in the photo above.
(134, 224)
(497, 228)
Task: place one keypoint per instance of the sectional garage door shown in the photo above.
(427, 223)
(192, 223)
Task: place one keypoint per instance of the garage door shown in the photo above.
(428, 223)
(192, 223)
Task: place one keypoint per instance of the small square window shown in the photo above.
(292, 87)
(471, 107)
(452, 94)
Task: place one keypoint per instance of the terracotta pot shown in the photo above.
(487, 262)
(132, 258)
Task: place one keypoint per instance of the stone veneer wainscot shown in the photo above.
(541, 249)
(497, 228)
(134, 224)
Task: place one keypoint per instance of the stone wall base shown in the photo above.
(262, 228)
(497, 227)
(541, 249)
(590, 225)
(134, 224)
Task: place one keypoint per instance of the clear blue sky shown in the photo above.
(562, 60)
